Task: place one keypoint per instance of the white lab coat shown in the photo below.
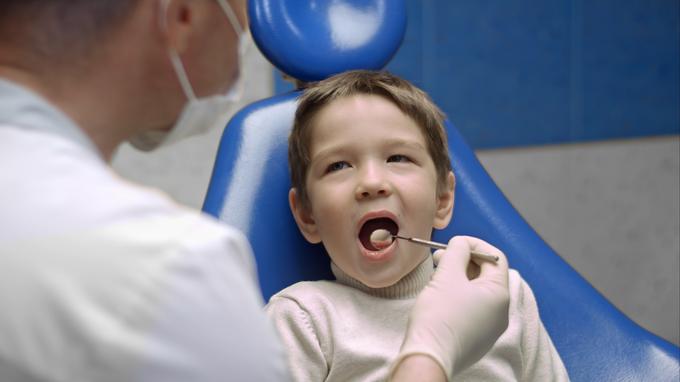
(104, 280)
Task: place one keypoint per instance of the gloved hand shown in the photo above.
(455, 320)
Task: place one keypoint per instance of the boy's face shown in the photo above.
(370, 168)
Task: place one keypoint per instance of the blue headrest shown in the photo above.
(312, 40)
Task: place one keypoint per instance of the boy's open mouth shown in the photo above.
(372, 225)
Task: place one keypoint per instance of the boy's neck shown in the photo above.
(408, 287)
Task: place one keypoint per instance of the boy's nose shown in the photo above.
(372, 183)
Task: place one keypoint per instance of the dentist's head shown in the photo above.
(201, 111)
(148, 71)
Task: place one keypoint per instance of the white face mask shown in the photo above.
(199, 114)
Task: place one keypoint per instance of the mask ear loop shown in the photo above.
(237, 90)
(174, 57)
(235, 94)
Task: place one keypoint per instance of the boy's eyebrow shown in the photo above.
(329, 151)
(389, 142)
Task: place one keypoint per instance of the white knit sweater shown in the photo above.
(345, 331)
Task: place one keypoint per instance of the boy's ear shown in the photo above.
(445, 200)
(303, 218)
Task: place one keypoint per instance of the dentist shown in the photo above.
(105, 280)
(102, 279)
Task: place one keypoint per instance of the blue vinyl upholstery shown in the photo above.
(250, 183)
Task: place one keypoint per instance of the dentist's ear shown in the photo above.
(303, 218)
(445, 199)
(176, 20)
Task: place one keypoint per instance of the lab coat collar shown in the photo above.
(25, 109)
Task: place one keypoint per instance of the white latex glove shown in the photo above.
(455, 320)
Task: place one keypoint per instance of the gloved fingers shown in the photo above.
(437, 255)
(492, 285)
(496, 272)
(453, 261)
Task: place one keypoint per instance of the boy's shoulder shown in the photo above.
(316, 301)
(313, 292)
(521, 296)
(515, 279)
(304, 288)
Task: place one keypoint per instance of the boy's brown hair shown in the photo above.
(408, 98)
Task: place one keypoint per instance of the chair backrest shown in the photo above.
(250, 182)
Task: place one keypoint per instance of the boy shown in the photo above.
(368, 151)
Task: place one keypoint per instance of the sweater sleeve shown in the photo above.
(298, 333)
(540, 359)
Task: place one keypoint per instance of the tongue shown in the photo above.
(372, 225)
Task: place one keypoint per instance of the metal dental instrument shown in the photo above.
(381, 235)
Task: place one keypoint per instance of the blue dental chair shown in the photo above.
(311, 40)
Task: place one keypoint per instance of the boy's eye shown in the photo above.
(398, 158)
(336, 166)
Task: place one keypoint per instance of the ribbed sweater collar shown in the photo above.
(408, 287)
